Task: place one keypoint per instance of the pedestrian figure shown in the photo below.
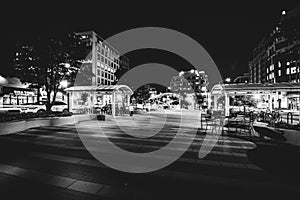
(131, 110)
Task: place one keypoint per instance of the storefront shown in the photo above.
(85, 98)
(11, 96)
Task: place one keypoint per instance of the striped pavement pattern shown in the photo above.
(55, 156)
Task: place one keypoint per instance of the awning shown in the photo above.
(101, 88)
(256, 88)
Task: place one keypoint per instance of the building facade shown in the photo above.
(191, 82)
(103, 60)
(277, 57)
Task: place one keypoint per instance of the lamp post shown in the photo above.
(228, 80)
(64, 84)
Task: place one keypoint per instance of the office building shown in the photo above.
(103, 60)
(277, 57)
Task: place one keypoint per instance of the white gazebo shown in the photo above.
(86, 97)
(277, 95)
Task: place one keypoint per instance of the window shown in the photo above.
(287, 70)
(279, 64)
(287, 63)
(98, 72)
(98, 80)
(293, 70)
(279, 72)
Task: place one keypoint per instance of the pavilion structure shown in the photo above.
(87, 97)
(274, 95)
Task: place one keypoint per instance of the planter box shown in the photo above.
(17, 126)
(12, 127)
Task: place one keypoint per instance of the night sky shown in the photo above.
(229, 32)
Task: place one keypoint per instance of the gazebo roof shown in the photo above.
(101, 88)
(257, 87)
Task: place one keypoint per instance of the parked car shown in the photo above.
(40, 108)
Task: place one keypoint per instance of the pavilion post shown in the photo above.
(270, 102)
(128, 99)
(227, 105)
(113, 105)
(1, 101)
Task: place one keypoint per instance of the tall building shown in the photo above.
(277, 57)
(104, 61)
(192, 81)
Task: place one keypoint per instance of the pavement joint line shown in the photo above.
(233, 165)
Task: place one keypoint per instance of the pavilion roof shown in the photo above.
(100, 88)
(257, 87)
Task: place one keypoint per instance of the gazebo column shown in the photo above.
(215, 102)
(227, 105)
(1, 101)
(128, 99)
(270, 102)
(299, 108)
(113, 105)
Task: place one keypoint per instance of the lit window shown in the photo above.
(287, 70)
(279, 64)
(288, 63)
(267, 70)
(279, 72)
(293, 70)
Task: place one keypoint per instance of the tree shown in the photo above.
(84, 97)
(48, 60)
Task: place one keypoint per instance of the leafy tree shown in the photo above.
(48, 60)
(84, 97)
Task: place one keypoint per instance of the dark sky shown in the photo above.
(228, 31)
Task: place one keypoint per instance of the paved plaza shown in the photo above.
(52, 163)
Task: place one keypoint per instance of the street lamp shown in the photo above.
(64, 83)
(228, 80)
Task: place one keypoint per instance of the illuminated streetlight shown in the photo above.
(228, 80)
(256, 96)
(67, 65)
(64, 83)
(283, 12)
